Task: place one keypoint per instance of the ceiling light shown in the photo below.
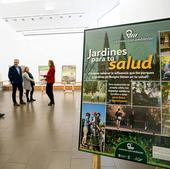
(54, 31)
(15, 1)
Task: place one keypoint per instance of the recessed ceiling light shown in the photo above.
(32, 19)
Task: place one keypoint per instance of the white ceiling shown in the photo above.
(32, 17)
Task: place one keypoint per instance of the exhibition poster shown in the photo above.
(68, 75)
(42, 71)
(125, 105)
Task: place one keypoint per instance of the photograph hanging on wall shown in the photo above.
(68, 74)
(126, 78)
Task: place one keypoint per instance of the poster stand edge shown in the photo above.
(96, 162)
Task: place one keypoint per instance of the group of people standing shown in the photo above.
(93, 132)
(25, 80)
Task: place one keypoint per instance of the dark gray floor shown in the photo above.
(36, 136)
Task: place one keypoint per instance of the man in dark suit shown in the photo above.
(15, 77)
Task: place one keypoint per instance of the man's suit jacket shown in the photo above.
(14, 76)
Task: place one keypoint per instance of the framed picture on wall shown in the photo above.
(42, 70)
(68, 74)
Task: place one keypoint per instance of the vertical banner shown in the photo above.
(68, 75)
(125, 106)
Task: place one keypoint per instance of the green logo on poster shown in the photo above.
(131, 151)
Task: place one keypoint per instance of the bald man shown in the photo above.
(15, 77)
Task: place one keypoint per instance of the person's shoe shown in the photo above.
(2, 115)
(50, 104)
(16, 104)
(28, 100)
(22, 102)
(32, 100)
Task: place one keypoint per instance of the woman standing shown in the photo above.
(50, 78)
(32, 86)
(27, 83)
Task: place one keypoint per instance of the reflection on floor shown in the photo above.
(36, 136)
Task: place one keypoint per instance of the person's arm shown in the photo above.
(10, 74)
(50, 73)
(30, 75)
(27, 77)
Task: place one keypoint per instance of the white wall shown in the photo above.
(143, 10)
(8, 47)
(111, 18)
(65, 49)
(68, 48)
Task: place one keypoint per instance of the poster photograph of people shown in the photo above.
(125, 105)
